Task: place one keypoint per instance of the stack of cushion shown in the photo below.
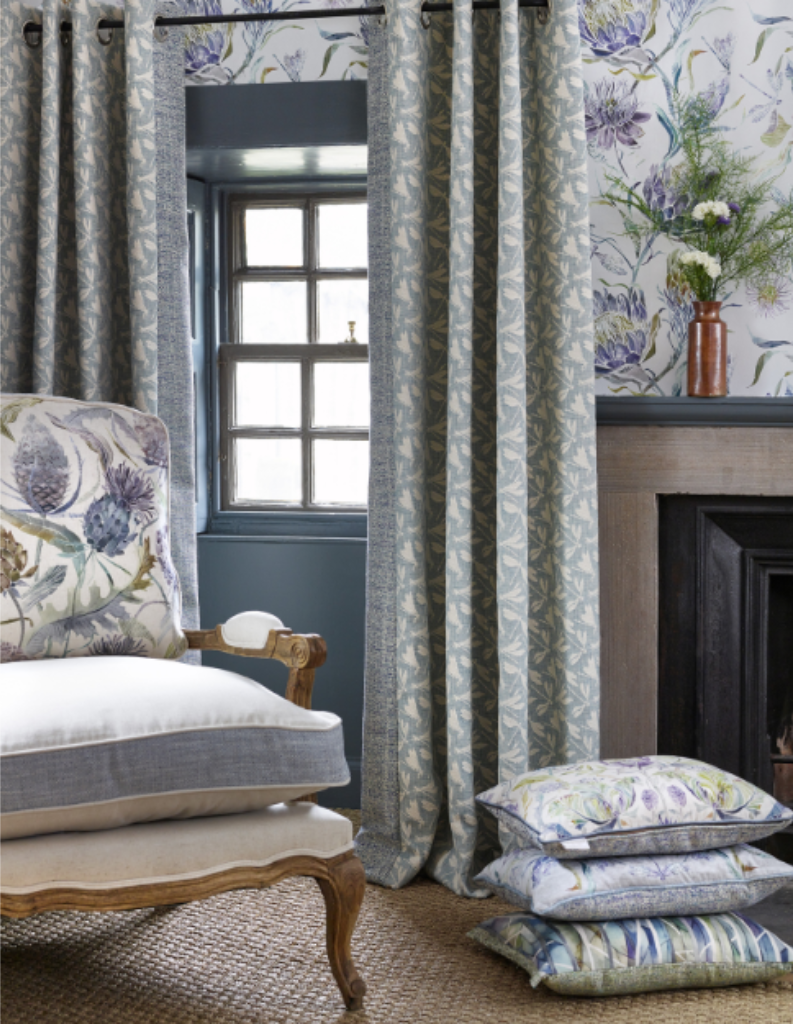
(629, 874)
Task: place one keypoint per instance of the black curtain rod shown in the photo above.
(334, 12)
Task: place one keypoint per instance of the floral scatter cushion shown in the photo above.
(657, 804)
(608, 888)
(85, 563)
(602, 958)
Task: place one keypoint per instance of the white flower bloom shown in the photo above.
(714, 206)
(702, 259)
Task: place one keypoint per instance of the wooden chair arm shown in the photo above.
(301, 653)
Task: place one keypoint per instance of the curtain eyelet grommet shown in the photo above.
(65, 33)
(160, 33)
(32, 34)
(382, 19)
(425, 19)
(104, 35)
(544, 13)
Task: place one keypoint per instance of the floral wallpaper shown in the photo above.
(332, 49)
(643, 61)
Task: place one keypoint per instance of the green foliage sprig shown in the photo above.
(742, 225)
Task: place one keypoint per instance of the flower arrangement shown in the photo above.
(734, 223)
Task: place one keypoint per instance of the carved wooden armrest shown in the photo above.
(301, 653)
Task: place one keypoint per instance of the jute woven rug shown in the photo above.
(258, 956)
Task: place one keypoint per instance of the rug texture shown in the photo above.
(258, 956)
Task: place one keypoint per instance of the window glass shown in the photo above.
(267, 395)
(341, 472)
(274, 237)
(274, 312)
(268, 469)
(339, 304)
(343, 236)
(341, 395)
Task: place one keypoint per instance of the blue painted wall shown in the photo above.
(314, 585)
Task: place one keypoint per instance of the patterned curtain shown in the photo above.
(482, 604)
(94, 260)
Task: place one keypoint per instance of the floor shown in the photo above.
(258, 957)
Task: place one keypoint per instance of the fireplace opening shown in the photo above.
(780, 684)
(725, 658)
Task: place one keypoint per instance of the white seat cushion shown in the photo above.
(96, 743)
(172, 850)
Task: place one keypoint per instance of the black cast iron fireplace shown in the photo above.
(725, 692)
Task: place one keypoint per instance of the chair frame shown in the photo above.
(341, 879)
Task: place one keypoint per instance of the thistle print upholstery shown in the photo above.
(625, 807)
(85, 556)
(482, 639)
(93, 269)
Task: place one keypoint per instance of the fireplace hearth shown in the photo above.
(725, 683)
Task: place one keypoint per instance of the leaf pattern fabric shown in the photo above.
(601, 958)
(86, 562)
(94, 266)
(609, 888)
(482, 636)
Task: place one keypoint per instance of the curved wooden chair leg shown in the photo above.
(343, 889)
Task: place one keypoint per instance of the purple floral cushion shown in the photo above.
(660, 804)
(85, 564)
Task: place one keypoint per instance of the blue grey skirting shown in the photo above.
(176, 762)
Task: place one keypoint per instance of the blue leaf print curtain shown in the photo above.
(482, 605)
(94, 260)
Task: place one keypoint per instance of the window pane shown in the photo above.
(268, 470)
(267, 395)
(341, 395)
(339, 302)
(274, 237)
(341, 472)
(274, 312)
(343, 236)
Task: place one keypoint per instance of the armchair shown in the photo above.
(150, 864)
(133, 781)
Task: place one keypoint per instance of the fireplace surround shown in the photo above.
(637, 465)
(725, 654)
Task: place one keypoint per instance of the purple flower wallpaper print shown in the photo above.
(275, 51)
(648, 64)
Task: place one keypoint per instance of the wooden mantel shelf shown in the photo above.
(635, 465)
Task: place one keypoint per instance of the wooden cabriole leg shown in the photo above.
(341, 879)
(343, 888)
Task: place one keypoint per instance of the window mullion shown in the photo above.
(320, 353)
(226, 374)
(307, 373)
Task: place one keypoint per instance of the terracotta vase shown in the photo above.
(707, 352)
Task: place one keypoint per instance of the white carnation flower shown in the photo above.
(702, 259)
(714, 206)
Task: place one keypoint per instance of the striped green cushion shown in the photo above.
(603, 958)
